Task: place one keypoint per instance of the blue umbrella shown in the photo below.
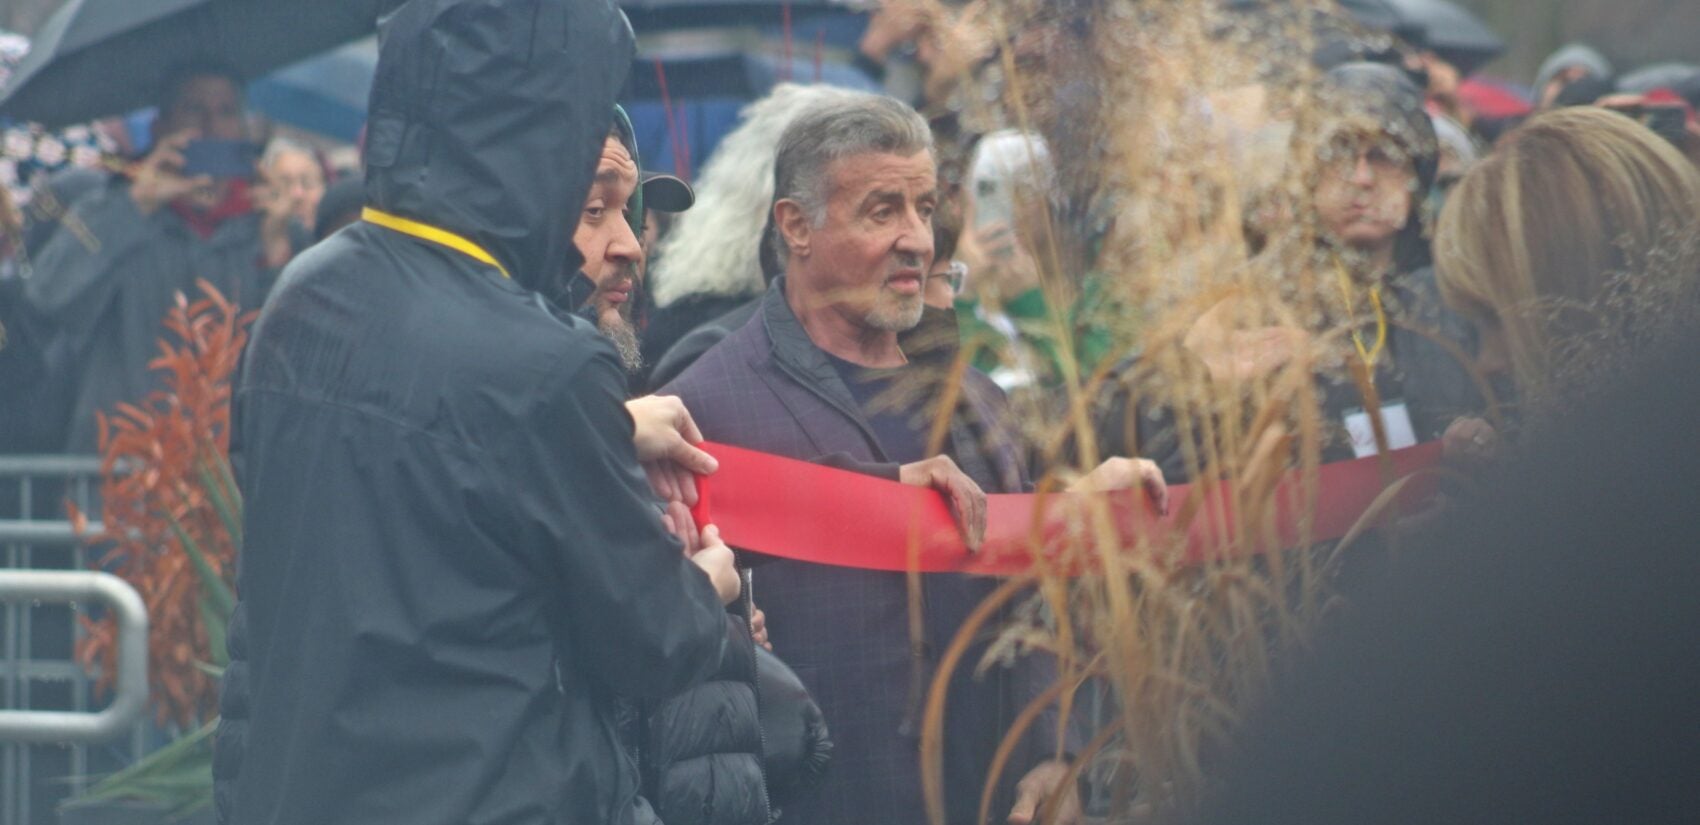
(324, 94)
(327, 94)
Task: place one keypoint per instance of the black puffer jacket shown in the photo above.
(738, 748)
(452, 562)
(701, 750)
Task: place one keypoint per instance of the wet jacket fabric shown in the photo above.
(844, 631)
(452, 562)
(103, 282)
(24, 369)
(701, 750)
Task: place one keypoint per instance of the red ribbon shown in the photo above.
(793, 509)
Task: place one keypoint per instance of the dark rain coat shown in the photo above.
(103, 282)
(452, 560)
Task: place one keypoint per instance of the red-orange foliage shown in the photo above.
(165, 459)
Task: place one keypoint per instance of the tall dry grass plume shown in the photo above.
(1187, 140)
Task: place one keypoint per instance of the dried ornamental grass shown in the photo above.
(1187, 143)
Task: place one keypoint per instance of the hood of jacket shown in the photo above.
(487, 118)
(1386, 97)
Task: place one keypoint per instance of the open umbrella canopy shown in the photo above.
(94, 58)
(325, 94)
(1449, 30)
(1682, 78)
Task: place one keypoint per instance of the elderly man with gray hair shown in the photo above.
(844, 364)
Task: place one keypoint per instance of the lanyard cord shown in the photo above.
(1369, 354)
(435, 235)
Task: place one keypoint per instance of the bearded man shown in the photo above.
(609, 236)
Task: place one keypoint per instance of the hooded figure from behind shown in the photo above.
(452, 561)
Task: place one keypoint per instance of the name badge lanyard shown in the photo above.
(1364, 372)
(1369, 354)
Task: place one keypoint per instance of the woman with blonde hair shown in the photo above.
(1575, 243)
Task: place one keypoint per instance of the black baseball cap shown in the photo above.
(666, 193)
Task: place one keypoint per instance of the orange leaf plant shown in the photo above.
(171, 514)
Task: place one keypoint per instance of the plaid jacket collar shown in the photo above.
(974, 441)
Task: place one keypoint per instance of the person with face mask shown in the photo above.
(147, 235)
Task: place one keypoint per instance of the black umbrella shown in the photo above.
(94, 58)
(1449, 30)
(1373, 14)
(1682, 78)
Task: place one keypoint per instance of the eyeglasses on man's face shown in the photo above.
(956, 272)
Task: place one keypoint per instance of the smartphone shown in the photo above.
(220, 158)
(994, 202)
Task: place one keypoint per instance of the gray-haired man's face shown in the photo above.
(870, 255)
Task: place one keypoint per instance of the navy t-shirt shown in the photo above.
(896, 416)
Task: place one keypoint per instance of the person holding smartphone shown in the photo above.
(181, 214)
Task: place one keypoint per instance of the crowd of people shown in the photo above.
(114, 247)
(472, 587)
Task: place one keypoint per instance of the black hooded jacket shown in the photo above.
(452, 561)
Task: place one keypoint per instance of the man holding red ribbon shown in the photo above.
(842, 364)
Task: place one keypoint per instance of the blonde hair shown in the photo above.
(1576, 235)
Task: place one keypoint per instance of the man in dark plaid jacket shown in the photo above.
(842, 364)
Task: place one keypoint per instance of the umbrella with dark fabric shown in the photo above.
(1347, 31)
(94, 58)
(1374, 14)
(1448, 30)
(1682, 78)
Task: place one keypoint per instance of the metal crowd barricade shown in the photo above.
(70, 587)
(52, 732)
